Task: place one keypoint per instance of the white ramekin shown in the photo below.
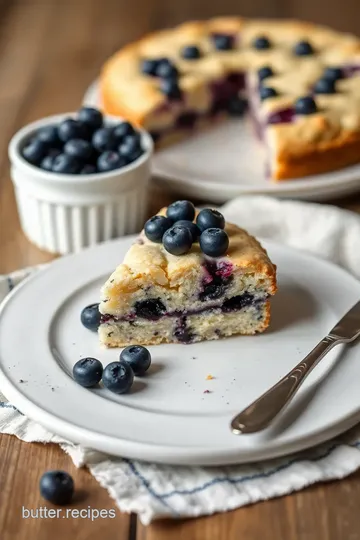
(63, 213)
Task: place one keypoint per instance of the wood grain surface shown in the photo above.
(50, 50)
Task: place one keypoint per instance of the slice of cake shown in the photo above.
(177, 286)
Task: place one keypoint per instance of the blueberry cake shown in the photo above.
(179, 285)
(301, 83)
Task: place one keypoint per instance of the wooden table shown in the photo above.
(49, 52)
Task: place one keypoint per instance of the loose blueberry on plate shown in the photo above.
(57, 487)
(88, 169)
(109, 161)
(223, 42)
(137, 357)
(264, 73)
(166, 70)
(123, 130)
(191, 52)
(305, 105)
(91, 117)
(49, 136)
(65, 164)
(214, 242)
(88, 372)
(170, 88)
(303, 48)
(155, 228)
(193, 228)
(118, 377)
(78, 148)
(149, 66)
(236, 106)
(181, 210)
(325, 86)
(70, 129)
(90, 317)
(267, 92)
(261, 43)
(34, 151)
(104, 139)
(333, 73)
(209, 219)
(177, 240)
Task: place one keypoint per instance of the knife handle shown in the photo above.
(263, 410)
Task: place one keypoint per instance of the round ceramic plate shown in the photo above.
(175, 414)
(227, 160)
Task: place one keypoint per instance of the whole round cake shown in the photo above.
(299, 82)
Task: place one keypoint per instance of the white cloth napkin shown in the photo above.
(155, 491)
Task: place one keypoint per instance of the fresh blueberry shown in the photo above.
(267, 92)
(88, 372)
(91, 117)
(333, 73)
(223, 42)
(209, 219)
(305, 105)
(149, 66)
(261, 43)
(78, 148)
(325, 86)
(303, 48)
(88, 169)
(177, 240)
(130, 145)
(34, 151)
(191, 52)
(170, 88)
(137, 357)
(123, 130)
(181, 210)
(236, 106)
(47, 163)
(49, 136)
(155, 228)
(166, 69)
(65, 164)
(264, 73)
(90, 317)
(118, 377)
(104, 139)
(214, 242)
(193, 228)
(109, 161)
(57, 487)
(70, 129)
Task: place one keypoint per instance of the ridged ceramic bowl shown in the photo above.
(63, 213)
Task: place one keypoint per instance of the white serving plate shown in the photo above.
(167, 418)
(227, 161)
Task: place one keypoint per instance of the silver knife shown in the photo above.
(263, 410)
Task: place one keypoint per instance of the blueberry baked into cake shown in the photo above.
(189, 277)
(300, 81)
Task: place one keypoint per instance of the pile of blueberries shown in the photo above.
(177, 230)
(84, 145)
(117, 377)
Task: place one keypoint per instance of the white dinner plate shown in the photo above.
(167, 417)
(227, 160)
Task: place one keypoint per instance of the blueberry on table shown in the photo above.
(261, 43)
(267, 92)
(305, 105)
(123, 130)
(156, 227)
(109, 161)
(149, 66)
(177, 240)
(91, 117)
(214, 242)
(191, 52)
(193, 228)
(137, 357)
(236, 106)
(65, 164)
(104, 139)
(223, 42)
(170, 88)
(118, 377)
(333, 73)
(209, 218)
(264, 73)
(70, 129)
(49, 136)
(34, 151)
(303, 48)
(57, 487)
(78, 148)
(325, 86)
(88, 372)
(181, 210)
(90, 317)
(88, 169)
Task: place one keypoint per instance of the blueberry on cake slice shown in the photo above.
(189, 277)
